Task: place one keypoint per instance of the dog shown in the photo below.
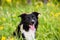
(27, 26)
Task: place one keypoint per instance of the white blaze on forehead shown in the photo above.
(33, 20)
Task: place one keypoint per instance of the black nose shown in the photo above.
(32, 22)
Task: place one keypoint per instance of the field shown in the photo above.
(49, 21)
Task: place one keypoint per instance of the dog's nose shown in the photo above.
(32, 22)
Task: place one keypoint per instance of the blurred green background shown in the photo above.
(49, 20)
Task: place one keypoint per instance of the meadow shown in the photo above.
(49, 20)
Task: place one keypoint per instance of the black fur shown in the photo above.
(26, 21)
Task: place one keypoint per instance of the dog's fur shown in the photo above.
(27, 26)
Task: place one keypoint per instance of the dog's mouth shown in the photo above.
(32, 27)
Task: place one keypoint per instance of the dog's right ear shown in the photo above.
(22, 15)
(35, 13)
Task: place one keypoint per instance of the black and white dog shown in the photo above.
(27, 26)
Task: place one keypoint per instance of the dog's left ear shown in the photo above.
(22, 15)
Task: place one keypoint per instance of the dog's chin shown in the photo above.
(32, 27)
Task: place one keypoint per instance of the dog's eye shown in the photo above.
(28, 17)
(32, 16)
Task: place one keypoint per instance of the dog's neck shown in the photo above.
(29, 35)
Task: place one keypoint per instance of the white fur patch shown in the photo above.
(29, 35)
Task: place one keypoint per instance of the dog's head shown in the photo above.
(29, 19)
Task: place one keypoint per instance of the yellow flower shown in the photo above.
(9, 1)
(52, 5)
(3, 38)
(11, 38)
(48, 4)
(57, 14)
(4, 19)
(1, 27)
(39, 4)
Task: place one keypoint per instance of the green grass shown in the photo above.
(48, 27)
